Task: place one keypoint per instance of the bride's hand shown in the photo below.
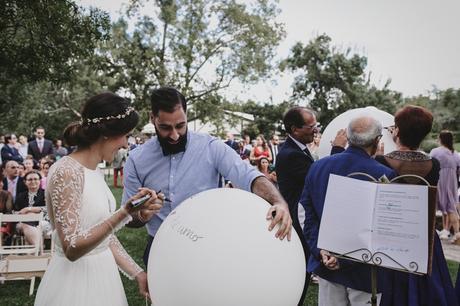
(149, 207)
(141, 280)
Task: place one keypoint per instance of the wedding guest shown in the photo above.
(9, 150)
(341, 282)
(260, 150)
(58, 150)
(31, 201)
(448, 184)
(23, 146)
(412, 125)
(28, 165)
(81, 207)
(40, 147)
(263, 165)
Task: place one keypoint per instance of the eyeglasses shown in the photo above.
(32, 179)
(316, 126)
(390, 128)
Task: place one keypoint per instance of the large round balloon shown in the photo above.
(341, 122)
(215, 249)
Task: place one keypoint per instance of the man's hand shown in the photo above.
(279, 214)
(329, 261)
(340, 139)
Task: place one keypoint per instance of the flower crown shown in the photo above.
(89, 121)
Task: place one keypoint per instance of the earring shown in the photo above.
(105, 137)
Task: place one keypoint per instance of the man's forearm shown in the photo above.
(266, 190)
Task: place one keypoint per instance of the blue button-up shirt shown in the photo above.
(184, 174)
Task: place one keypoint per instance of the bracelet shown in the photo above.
(110, 225)
(139, 216)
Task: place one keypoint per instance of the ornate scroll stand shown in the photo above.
(375, 259)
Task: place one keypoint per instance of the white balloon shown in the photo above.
(215, 250)
(342, 120)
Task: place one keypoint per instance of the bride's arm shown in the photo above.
(65, 190)
(125, 263)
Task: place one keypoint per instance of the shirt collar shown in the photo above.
(300, 145)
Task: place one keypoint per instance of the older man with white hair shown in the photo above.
(341, 282)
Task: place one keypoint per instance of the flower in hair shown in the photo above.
(126, 113)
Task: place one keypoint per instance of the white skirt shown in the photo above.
(91, 280)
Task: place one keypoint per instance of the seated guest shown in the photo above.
(263, 165)
(12, 182)
(28, 165)
(44, 173)
(9, 150)
(23, 146)
(341, 282)
(243, 151)
(59, 150)
(31, 201)
(6, 207)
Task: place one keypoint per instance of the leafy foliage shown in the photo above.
(40, 39)
(333, 81)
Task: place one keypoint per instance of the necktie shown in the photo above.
(40, 146)
(308, 153)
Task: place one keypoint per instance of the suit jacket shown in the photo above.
(35, 151)
(350, 274)
(232, 144)
(9, 153)
(22, 200)
(292, 166)
(20, 186)
(274, 152)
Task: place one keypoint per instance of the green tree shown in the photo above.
(197, 46)
(268, 117)
(333, 81)
(40, 39)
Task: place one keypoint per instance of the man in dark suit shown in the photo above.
(12, 182)
(293, 162)
(40, 147)
(231, 141)
(274, 147)
(9, 151)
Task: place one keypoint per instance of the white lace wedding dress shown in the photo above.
(78, 202)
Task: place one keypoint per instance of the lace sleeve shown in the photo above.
(65, 190)
(125, 263)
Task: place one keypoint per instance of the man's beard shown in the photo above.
(169, 148)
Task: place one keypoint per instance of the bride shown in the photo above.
(83, 269)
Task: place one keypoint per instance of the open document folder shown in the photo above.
(379, 224)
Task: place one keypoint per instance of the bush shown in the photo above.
(428, 144)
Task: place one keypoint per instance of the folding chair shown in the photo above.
(23, 261)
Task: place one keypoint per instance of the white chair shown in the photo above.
(23, 261)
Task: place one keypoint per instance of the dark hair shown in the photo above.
(107, 104)
(32, 172)
(39, 128)
(8, 137)
(447, 139)
(414, 123)
(293, 118)
(167, 99)
(259, 162)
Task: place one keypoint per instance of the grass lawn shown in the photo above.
(15, 293)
